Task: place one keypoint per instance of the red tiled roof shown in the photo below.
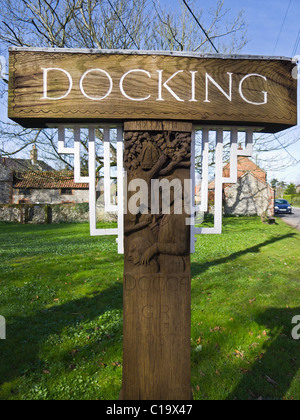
(47, 180)
(245, 165)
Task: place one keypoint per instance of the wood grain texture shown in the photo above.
(160, 87)
(177, 126)
(157, 278)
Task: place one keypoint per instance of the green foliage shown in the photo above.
(61, 295)
(288, 198)
(293, 199)
(296, 200)
(290, 189)
(274, 183)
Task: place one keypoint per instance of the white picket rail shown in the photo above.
(118, 208)
(235, 152)
(91, 179)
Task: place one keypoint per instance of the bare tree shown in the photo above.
(272, 150)
(180, 31)
(104, 24)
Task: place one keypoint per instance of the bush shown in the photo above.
(296, 201)
(288, 198)
(293, 199)
(291, 189)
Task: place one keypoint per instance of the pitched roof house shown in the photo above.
(49, 187)
(9, 166)
(32, 181)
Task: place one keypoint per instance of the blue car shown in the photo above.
(282, 206)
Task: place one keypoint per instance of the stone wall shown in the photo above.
(11, 213)
(5, 192)
(5, 184)
(249, 197)
(50, 196)
(43, 214)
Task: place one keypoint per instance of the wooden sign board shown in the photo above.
(61, 85)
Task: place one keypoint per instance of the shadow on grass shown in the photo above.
(26, 335)
(197, 268)
(272, 374)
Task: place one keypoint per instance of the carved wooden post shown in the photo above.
(63, 87)
(157, 291)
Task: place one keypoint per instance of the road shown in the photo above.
(292, 219)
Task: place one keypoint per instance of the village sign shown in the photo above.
(157, 102)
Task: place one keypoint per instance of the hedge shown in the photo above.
(292, 198)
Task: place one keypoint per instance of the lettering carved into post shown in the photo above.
(157, 292)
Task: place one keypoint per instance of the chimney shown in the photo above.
(34, 155)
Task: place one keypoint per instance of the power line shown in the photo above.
(128, 33)
(296, 44)
(276, 137)
(204, 31)
(284, 19)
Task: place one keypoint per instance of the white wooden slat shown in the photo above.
(204, 180)
(107, 173)
(61, 142)
(219, 179)
(232, 179)
(192, 193)
(120, 190)
(92, 178)
(249, 144)
(92, 190)
(218, 209)
(77, 158)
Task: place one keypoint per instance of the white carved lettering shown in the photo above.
(193, 73)
(264, 92)
(45, 83)
(122, 87)
(209, 78)
(94, 98)
(165, 85)
(161, 85)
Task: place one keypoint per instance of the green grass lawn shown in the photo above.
(61, 295)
